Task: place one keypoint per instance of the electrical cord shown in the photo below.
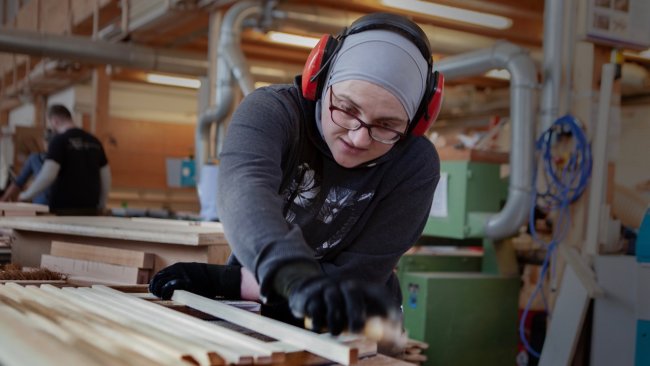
(566, 160)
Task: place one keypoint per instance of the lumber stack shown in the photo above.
(97, 264)
(48, 325)
(6, 238)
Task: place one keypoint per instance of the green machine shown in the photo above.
(463, 302)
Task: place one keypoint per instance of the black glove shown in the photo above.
(203, 279)
(336, 304)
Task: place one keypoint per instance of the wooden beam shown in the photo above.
(101, 94)
(121, 257)
(95, 270)
(298, 337)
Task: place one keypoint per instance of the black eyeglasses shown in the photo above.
(346, 120)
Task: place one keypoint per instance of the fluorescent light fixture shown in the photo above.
(449, 12)
(259, 84)
(292, 39)
(498, 74)
(173, 81)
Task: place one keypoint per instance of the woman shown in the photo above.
(324, 184)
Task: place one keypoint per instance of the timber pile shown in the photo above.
(6, 238)
(48, 325)
(96, 264)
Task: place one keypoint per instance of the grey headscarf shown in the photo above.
(384, 58)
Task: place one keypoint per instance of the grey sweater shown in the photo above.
(283, 199)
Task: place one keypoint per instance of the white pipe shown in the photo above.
(84, 49)
(599, 147)
(552, 64)
(522, 84)
(230, 62)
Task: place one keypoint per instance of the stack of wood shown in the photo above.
(48, 325)
(6, 238)
(97, 264)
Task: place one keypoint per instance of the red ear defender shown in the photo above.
(313, 66)
(433, 109)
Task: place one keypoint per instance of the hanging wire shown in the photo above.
(565, 155)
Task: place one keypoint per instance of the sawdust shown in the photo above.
(15, 272)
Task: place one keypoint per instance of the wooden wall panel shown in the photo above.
(55, 17)
(28, 16)
(137, 150)
(83, 9)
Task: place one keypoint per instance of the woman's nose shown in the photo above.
(361, 137)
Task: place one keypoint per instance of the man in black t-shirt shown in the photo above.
(76, 167)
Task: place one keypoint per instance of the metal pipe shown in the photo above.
(505, 55)
(86, 50)
(552, 62)
(230, 62)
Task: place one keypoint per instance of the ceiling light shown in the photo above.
(260, 84)
(449, 12)
(292, 39)
(498, 74)
(173, 81)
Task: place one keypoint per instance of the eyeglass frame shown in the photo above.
(368, 126)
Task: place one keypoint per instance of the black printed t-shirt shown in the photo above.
(80, 156)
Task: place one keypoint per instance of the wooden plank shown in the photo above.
(567, 321)
(298, 337)
(100, 271)
(121, 257)
(23, 206)
(119, 228)
(183, 323)
(8, 213)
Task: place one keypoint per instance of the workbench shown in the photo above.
(170, 240)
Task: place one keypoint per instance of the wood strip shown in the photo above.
(69, 329)
(295, 336)
(163, 342)
(121, 257)
(100, 271)
(19, 340)
(186, 337)
(23, 206)
(181, 321)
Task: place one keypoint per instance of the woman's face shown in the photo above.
(369, 103)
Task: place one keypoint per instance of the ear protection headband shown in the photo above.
(320, 57)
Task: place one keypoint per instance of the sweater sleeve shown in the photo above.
(259, 137)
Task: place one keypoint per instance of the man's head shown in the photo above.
(59, 118)
(379, 77)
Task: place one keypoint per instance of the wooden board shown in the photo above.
(119, 228)
(287, 333)
(121, 257)
(100, 271)
(23, 206)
